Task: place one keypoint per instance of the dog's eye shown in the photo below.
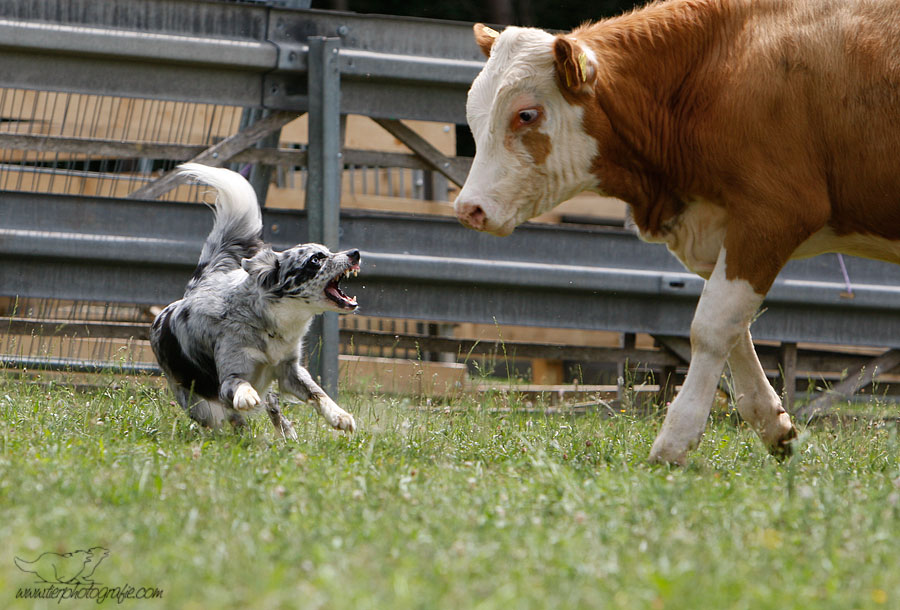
(316, 260)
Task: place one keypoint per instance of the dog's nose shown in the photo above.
(471, 215)
(353, 255)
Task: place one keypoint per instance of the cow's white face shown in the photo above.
(532, 151)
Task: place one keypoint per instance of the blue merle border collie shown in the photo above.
(245, 311)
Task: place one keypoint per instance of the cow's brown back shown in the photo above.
(779, 111)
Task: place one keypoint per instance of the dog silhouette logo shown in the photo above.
(74, 568)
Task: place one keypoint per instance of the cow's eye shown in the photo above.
(528, 116)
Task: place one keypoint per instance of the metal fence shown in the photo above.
(81, 218)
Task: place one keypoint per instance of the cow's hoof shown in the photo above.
(661, 453)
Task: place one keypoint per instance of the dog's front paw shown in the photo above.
(345, 421)
(336, 416)
(245, 398)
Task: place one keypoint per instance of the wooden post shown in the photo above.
(545, 371)
(788, 361)
(219, 154)
(628, 341)
(667, 382)
(448, 166)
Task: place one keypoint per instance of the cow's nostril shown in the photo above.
(471, 215)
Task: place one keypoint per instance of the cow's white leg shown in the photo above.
(723, 315)
(757, 401)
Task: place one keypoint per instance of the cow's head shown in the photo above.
(532, 150)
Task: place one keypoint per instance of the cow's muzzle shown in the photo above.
(471, 215)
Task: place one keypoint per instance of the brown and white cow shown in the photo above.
(742, 133)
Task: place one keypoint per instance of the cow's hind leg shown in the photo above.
(757, 245)
(723, 315)
(757, 401)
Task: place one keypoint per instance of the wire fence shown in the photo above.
(91, 172)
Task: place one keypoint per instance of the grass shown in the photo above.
(426, 509)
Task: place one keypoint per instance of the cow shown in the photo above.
(742, 134)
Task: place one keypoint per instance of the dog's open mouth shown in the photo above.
(333, 289)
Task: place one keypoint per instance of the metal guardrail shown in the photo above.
(237, 54)
(414, 267)
(433, 268)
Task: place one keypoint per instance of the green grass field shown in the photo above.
(426, 509)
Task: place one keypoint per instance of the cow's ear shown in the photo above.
(485, 37)
(575, 68)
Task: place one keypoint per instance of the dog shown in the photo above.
(245, 311)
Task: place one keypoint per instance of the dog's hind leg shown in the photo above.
(295, 379)
(281, 423)
(236, 419)
(207, 413)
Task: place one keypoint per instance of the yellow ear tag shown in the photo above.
(582, 66)
(490, 31)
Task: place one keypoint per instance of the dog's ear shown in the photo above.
(263, 267)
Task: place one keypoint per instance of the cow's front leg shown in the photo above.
(295, 379)
(723, 315)
(757, 401)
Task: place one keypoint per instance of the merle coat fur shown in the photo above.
(245, 311)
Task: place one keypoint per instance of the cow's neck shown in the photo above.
(648, 60)
(651, 62)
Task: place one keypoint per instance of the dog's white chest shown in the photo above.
(279, 349)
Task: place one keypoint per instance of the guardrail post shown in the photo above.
(323, 191)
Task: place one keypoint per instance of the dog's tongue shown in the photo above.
(335, 293)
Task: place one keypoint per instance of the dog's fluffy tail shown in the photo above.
(237, 230)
